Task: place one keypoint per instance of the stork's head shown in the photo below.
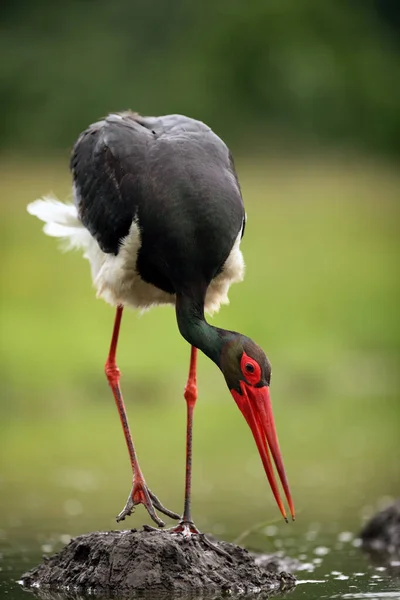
(247, 372)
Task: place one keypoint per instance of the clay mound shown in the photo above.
(121, 563)
(381, 535)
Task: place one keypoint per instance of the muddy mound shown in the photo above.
(119, 563)
(381, 535)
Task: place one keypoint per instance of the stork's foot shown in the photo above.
(189, 531)
(140, 494)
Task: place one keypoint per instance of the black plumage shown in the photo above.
(159, 171)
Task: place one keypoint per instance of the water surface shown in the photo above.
(333, 565)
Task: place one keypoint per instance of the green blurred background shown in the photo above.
(307, 94)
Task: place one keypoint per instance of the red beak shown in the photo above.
(255, 405)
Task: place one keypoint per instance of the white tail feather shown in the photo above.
(51, 210)
(115, 276)
(61, 221)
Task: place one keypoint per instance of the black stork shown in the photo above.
(159, 215)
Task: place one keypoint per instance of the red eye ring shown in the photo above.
(250, 369)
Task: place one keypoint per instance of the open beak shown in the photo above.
(255, 405)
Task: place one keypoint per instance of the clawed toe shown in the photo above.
(188, 530)
(128, 509)
(140, 494)
(157, 504)
(185, 528)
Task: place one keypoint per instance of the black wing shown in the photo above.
(99, 177)
(176, 178)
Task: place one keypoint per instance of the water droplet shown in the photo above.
(321, 550)
(310, 581)
(395, 563)
(345, 536)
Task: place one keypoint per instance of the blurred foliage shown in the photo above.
(261, 70)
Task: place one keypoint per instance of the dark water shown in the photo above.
(333, 565)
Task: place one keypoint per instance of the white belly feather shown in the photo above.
(115, 277)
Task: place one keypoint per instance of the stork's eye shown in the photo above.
(250, 369)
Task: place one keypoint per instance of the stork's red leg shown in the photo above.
(190, 397)
(186, 525)
(140, 493)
